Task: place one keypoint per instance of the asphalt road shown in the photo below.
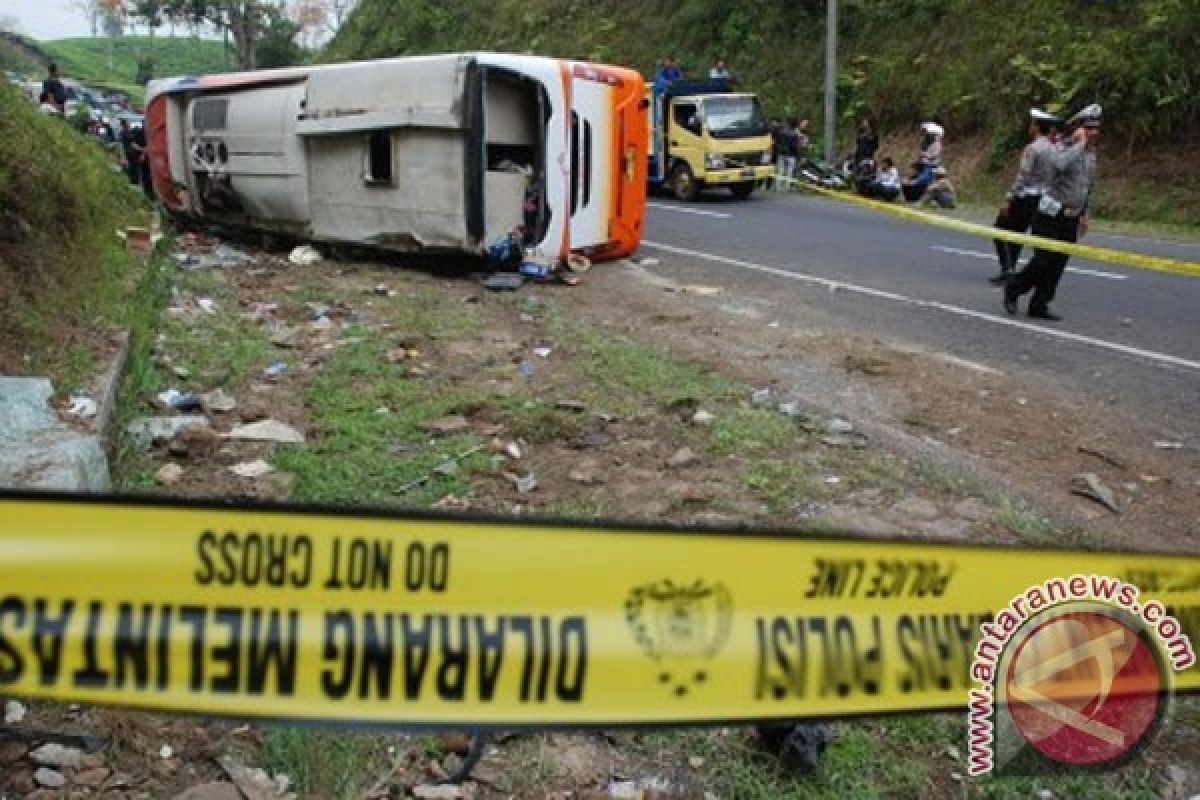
(1129, 337)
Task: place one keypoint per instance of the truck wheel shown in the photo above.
(742, 190)
(683, 183)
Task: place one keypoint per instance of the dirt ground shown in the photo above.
(629, 396)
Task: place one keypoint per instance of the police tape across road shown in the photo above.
(1112, 256)
(350, 616)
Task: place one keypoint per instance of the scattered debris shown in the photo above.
(424, 479)
(592, 439)
(305, 255)
(523, 483)
(1100, 454)
(14, 712)
(147, 431)
(165, 752)
(760, 396)
(683, 457)
(647, 261)
(703, 418)
(853, 439)
(286, 338)
(695, 762)
(570, 405)
(276, 369)
(207, 305)
(1088, 484)
(586, 475)
(179, 401)
(253, 783)
(56, 755)
(218, 402)
(1168, 445)
(267, 430)
(542, 352)
(839, 425)
(446, 426)
(702, 291)
(252, 469)
(438, 792)
(183, 373)
(447, 469)
(382, 290)
(512, 450)
(168, 474)
(504, 281)
(51, 779)
(82, 406)
(791, 409)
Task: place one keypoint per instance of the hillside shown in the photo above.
(64, 275)
(975, 66)
(87, 59)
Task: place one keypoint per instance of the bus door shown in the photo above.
(592, 150)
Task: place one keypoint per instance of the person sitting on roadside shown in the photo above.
(886, 185)
(940, 192)
(719, 71)
(929, 159)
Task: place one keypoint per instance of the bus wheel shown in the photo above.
(742, 190)
(683, 183)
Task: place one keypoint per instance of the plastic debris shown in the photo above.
(82, 406)
(180, 401)
(526, 369)
(683, 457)
(14, 712)
(542, 352)
(839, 425)
(760, 396)
(148, 430)
(304, 255)
(207, 305)
(1088, 484)
(703, 418)
(702, 291)
(1164, 445)
(252, 469)
(276, 369)
(523, 483)
(218, 402)
(267, 430)
(166, 751)
(534, 269)
(168, 474)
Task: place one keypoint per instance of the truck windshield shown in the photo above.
(730, 117)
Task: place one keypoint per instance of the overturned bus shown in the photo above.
(442, 153)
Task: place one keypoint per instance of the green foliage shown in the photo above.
(974, 65)
(277, 47)
(61, 200)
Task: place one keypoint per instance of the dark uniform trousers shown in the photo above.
(1017, 216)
(1045, 269)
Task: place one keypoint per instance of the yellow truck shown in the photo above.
(704, 135)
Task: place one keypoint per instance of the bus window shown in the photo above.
(587, 163)
(379, 159)
(574, 162)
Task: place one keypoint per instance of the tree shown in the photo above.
(244, 20)
(91, 10)
(278, 47)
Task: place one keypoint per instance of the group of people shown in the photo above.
(1050, 198)
(132, 138)
(928, 183)
(668, 70)
(789, 148)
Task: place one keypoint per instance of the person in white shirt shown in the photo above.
(886, 185)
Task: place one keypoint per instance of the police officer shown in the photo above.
(1061, 215)
(1033, 175)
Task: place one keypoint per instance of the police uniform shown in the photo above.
(1033, 175)
(1061, 205)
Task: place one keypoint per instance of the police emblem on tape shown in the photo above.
(681, 627)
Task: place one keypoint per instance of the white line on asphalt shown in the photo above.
(833, 286)
(1112, 276)
(701, 212)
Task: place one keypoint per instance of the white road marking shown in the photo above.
(698, 211)
(1097, 273)
(969, 313)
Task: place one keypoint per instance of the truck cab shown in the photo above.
(704, 135)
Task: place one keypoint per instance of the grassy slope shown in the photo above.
(63, 272)
(975, 66)
(87, 59)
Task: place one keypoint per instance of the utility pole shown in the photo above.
(830, 79)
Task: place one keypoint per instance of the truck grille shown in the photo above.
(751, 159)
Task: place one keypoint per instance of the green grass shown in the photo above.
(64, 275)
(337, 765)
(87, 59)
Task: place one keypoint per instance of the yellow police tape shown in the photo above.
(347, 616)
(1140, 260)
